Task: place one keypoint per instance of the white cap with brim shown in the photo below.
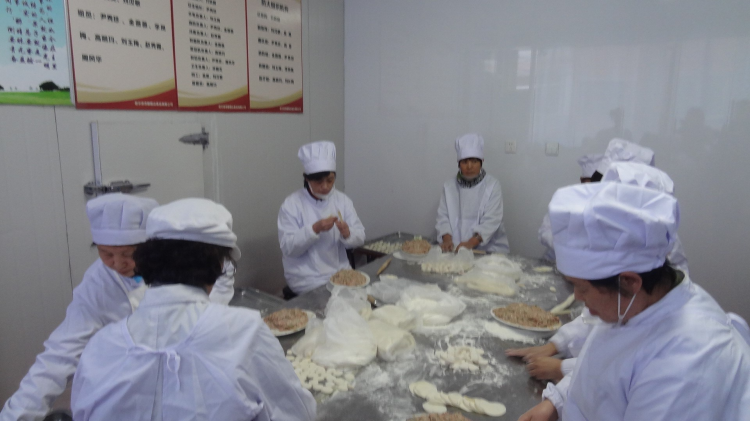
(118, 219)
(637, 174)
(194, 219)
(470, 145)
(589, 163)
(318, 156)
(604, 229)
(621, 150)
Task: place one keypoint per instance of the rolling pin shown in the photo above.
(383, 266)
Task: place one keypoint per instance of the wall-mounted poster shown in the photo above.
(33, 53)
(210, 42)
(274, 29)
(189, 55)
(122, 54)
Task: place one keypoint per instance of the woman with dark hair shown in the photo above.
(664, 349)
(569, 339)
(109, 292)
(179, 356)
(317, 223)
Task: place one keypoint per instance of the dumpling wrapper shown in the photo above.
(455, 399)
(467, 404)
(432, 408)
(423, 389)
(493, 409)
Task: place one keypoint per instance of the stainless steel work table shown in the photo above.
(381, 389)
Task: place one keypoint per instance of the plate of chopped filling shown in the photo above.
(350, 278)
(287, 321)
(416, 248)
(526, 317)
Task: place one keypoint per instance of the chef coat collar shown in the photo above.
(173, 294)
(314, 200)
(670, 303)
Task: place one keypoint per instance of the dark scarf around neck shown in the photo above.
(467, 184)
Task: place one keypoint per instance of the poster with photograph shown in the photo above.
(33, 53)
(274, 29)
(122, 54)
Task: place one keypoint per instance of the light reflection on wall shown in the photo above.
(681, 93)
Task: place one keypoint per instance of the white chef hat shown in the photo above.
(318, 156)
(603, 229)
(637, 174)
(623, 150)
(589, 163)
(118, 219)
(194, 219)
(470, 145)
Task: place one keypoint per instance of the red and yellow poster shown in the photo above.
(122, 54)
(275, 55)
(210, 55)
(192, 55)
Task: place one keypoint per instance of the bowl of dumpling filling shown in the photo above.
(350, 278)
(416, 248)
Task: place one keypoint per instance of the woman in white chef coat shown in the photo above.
(470, 213)
(109, 292)
(317, 223)
(589, 164)
(621, 150)
(593, 167)
(664, 349)
(179, 356)
(568, 340)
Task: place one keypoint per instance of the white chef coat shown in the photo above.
(310, 259)
(681, 358)
(223, 289)
(676, 256)
(545, 237)
(479, 209)
(569, 340)
(179, 357)
(103, 297)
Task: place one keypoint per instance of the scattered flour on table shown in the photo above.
(507, 334)
(383, 388)
(535, 280)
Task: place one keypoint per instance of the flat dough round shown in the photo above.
(493, 409)
(432, 408)
(422, 388)
(466, 404)
(455, 399)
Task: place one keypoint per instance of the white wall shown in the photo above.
(34, 275)
(420, 73)
(255, 155)
(256, 166)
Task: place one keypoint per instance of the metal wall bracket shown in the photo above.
(124, 186)
(196, 138)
